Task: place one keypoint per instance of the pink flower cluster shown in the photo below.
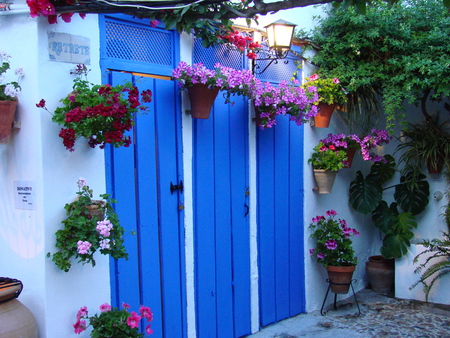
(46, 8)
(133, 318)
(83, 247)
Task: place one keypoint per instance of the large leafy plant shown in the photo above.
(434, 270)
(397, 220)
(395, 51)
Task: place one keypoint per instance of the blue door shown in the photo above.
(222, 239)
(280, 212)
(144, 177)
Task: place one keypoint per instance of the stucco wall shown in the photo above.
(36, 154)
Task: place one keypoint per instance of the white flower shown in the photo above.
(20, 72)
(12, 91)
(81, 182)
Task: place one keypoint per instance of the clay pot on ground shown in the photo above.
(381, 273)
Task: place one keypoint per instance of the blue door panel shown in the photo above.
(140, 176)
(222, 262)
(280, 221)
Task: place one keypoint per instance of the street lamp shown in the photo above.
(279, 39)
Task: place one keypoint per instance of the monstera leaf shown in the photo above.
(365, 193)
(397, 239)
(412, 193)
(384, 217)
(384, 171)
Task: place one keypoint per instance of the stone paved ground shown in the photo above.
(381, 316)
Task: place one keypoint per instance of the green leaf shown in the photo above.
(384, 217)
(384, 171)
(365, 194)
(412, 193)
(397, 239)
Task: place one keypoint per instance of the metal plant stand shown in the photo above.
(323, 313)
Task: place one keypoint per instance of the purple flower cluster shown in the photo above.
(269, 101)
(374, 139)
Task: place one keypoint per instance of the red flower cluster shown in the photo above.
(46, 8)
(101, 114)
(242, 42)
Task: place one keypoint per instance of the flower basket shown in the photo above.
(97, 209)
(7, 112)
(325, 180)
(202, 99)
(340, 278)
(323, 117)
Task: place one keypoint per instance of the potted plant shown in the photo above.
(352, 143)
(9, 93)
(396, 221)
(422, 144)
(90, 225)
(326, 162)
(330, 93)
(334, 249)
(112, 322)
(99, 113)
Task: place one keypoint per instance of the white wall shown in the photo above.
(36, 153)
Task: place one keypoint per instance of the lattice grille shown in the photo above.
(220, 54)
(279, 71)
(135, 43)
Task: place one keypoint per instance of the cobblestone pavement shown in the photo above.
(381, 316)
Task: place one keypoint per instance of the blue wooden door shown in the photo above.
(140, 177)
(222, 240)
(280, 213)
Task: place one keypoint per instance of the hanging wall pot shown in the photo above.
(323, 117)
(202, 99)
(7, 112)
(325, 180)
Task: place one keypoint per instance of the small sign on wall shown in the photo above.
(24, 195)
(63, 47)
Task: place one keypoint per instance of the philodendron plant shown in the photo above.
(396, 221)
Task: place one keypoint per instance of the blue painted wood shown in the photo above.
(139, 178)
(222, 271)
(280, 221)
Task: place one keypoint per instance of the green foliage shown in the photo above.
(327, 159)
(330, 90)
(397, 239)
(411, 195)
(400, 51)
(434, 249)
(425, 144)
(82, 235)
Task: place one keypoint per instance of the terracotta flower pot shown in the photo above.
(350, 155)
(202, 99)
(97, 208)
(340, 278)
(7, 112)
(325, 180)
(381, 273)
(323, 117)
(435, 167)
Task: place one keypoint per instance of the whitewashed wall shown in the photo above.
(36, 154)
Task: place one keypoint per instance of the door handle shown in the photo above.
(247, 209)
(176, 187)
